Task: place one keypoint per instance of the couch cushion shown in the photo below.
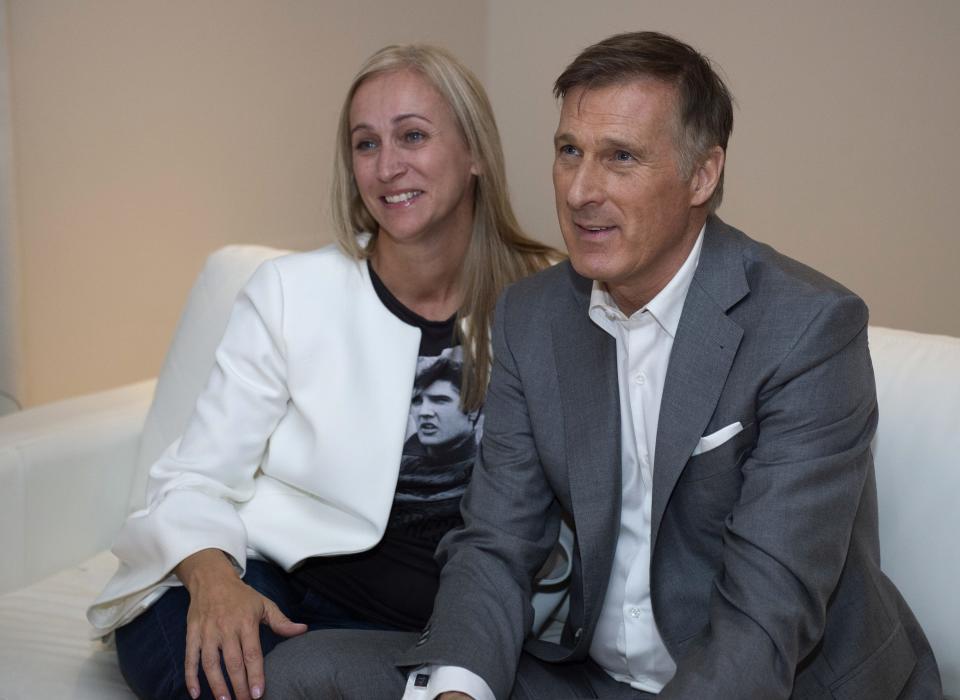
(13, 518)
(918, 480)
(45, 646)
(190, 356)
(68, 461)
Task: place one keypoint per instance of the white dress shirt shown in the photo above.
(626, 642)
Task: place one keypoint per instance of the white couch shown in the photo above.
(71, 470)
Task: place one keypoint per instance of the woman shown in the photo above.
(338, 427)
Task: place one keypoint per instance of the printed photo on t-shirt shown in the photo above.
(441, 442)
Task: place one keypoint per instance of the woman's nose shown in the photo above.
(390, 163)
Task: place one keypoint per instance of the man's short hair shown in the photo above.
(442, 369)
(705, 106)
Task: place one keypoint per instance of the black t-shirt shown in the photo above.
(394, 583)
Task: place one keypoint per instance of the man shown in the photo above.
(438, 457)
(439, 422)
(699, 406)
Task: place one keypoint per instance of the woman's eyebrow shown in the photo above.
(396, 120)
(411, 115)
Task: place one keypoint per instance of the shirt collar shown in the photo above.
(666, 307)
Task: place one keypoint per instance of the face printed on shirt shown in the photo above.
(437, 415)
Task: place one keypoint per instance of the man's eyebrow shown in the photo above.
(621, 145)
(606, 143)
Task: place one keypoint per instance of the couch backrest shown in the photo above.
(190, 356)
(917, 456)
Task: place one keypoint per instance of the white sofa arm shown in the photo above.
(65, 476)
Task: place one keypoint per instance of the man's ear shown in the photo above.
(706, 177)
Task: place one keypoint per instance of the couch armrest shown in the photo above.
(65, 474)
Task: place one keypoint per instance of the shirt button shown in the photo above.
(640, 378)
(634, 612)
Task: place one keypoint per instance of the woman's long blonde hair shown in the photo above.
(499, 252)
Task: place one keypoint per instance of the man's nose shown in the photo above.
(390, 163)
(585, 186)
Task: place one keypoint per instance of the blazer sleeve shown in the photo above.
(785, 543)
(194, 486)
(511, 521)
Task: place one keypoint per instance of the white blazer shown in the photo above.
(294, 446)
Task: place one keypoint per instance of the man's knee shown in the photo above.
(297, 668)
(336, 664)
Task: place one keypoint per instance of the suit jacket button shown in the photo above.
(578, 633)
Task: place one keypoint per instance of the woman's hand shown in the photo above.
(225, 615)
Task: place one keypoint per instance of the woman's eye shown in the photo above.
(364, 145)
(414, 136)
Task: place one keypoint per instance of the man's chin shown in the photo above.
(432, 441)
(590, 266)
(436, 445)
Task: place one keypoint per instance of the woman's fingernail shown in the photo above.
(256, 692)
(194, 692)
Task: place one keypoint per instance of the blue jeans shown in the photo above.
(151, 648)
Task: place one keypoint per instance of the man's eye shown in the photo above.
(568, 150)
(622, 156)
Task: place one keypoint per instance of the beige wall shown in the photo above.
(150, 133)
(846, 136)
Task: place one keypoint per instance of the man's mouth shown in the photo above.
(592, 230)
(428, 428)
(402, 197)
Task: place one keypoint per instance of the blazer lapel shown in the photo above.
(703, 352)
(587, 373)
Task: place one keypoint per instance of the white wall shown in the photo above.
(846, 134)
(150, 133)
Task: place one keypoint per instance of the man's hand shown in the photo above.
(225, 615)
(454, 696)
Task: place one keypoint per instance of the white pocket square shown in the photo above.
(714, 440)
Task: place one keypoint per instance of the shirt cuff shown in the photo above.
(427, 682)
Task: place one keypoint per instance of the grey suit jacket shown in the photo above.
(765, 576)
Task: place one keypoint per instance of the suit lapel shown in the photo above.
(587, 373)
(703, 352)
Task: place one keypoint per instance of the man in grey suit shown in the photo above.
(698, 407)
